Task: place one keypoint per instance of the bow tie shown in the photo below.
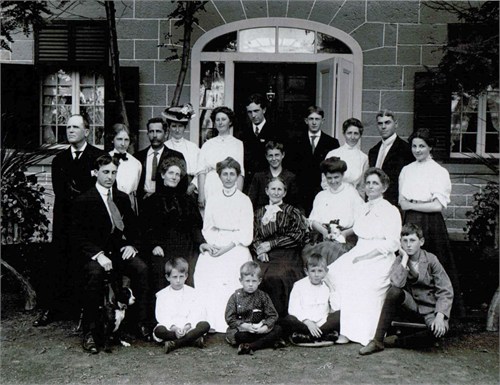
(121, 156)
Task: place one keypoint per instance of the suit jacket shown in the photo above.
(398, 156)
(70, 178)
(254, 149)
(167, 153)
(91, 225)
(305, 165)
(432, 290)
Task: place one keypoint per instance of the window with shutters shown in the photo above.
(72, 57)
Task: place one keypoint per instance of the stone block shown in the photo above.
(400, 101)
(143, 139)
(449, 212)
(392, 11)
(137, 29)
(455, 224)
(126, 49)
(461, 212)
(385, 55)
(370, 124)
(255, 8)
(368, 142)
(457, 200)
(350, 16)
(371, 101)
(429, 15)
(232, 11)
(299, 9)
(390, 34)
(153, 9)
(382, 77)
(464, 189)
(422, 34)
(405, 123)
(409, 55)
(277, 8)
(84, 10)
(480, 180)
(22, 50)
(5, 56)
(146, 49)
(369, 36)
(431, 55)
(167, 72)
(323, 11)
(152, 95)
(210, 18)
(146, 69)
(409, 76)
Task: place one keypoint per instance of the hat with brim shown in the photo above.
(179, 114)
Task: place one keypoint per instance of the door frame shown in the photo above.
(229, 58)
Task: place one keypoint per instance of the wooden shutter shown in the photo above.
(72, 43)
(20, 106)
(130, 88)
(432, 109)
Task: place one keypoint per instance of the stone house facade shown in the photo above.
(379, 45)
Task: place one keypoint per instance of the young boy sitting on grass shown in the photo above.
(251, 315)
(309, 318)
(179, 314)
(420, 287)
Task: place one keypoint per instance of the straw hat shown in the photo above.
(179, 114)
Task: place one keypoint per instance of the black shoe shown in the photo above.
(280, 344)
(298, 338)
(44, 319)
(330, 337)
(245, 349)
(89, 344)
(199, 342)
(144, 332)
(373, 346)
(169, 346)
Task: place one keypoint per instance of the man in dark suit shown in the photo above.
(152, 157)
(104, 234)
(391, 154)
(71, 176)
(254, 135)
(309, 150)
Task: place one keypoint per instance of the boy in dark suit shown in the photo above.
(310, 150)
(391, 154)
(420, 286)
(104, 236)
(71, 176)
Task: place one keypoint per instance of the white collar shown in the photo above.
(390, 140)
(259, 126)
(316, 135)
(73, 150)
(159, 151)
(102, 190)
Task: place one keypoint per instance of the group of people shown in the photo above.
(220, 238)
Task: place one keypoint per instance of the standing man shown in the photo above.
(104, 234)
(151, 159)
(254, 135)
(391, 154)
(71, 176)
(310, 149)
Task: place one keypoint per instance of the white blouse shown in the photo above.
(189, 150)
(217, 149)
(424, 182)
(128, 174)
(356, 160)
(343, 204)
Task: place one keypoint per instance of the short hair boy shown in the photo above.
(420, 286)
(251, 315)
(178, 309)
(275, 153)
(309, 318)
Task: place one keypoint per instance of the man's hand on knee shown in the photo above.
(439, 326)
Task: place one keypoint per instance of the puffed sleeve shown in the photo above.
(441, 185)
(391, 228)
(202, 164)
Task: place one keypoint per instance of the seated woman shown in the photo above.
(339, 203)
(228, 230)
(171, 224)
(360, 278)
(278, 234)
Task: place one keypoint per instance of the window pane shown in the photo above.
(492, 107)
(463, 123)
(206, 127)
(258, 40)
(291, 40)
(64, 78)
(224, 43)
(329, 44)
(99, 136)
(49, 135)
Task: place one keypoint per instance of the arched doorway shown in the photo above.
(299, 61)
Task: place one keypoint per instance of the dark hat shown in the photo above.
(179, 114)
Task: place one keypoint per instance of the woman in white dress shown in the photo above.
(360, 278)
(129, 170)
(215, 150)
(357, 161)
(228, 231)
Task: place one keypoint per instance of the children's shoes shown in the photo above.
(245, 349)
(169, 346)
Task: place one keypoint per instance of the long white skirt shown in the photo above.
(216, 279)
(360, 290)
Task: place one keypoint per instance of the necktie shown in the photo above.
(313, 142)
(121, 156)
(381, 155)
(155, 166)
(256, 131)
(77, 155)
(116, 218)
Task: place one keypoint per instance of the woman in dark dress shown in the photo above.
(279, 230)
(172, 225)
